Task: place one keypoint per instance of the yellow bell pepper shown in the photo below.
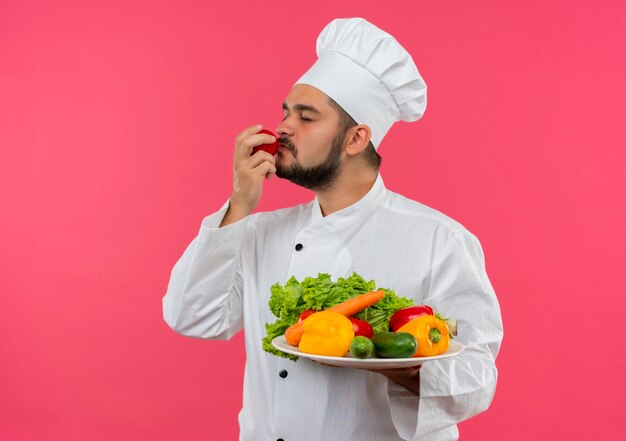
(432, 335)
(326, 333)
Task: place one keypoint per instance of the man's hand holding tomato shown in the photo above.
(249, 170)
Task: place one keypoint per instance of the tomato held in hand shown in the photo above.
(272, 148)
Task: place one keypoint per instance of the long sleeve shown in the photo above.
(455, 389)
(204, 295)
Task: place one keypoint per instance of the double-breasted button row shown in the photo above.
(283, 372)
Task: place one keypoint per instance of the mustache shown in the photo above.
(285, 141)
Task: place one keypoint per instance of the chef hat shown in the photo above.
(369, 74)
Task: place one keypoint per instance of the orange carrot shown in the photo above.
(348, 308)
(358, 303)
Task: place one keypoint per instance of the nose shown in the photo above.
(285, 128)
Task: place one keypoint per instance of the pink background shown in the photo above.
(117, 123)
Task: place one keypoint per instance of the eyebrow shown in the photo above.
(301, 108)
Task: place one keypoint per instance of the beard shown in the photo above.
(317, 177)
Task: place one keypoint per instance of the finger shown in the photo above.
(260, 157)
(264, 168)
(412, 370)
(255, 140)
(271, 173)
(415, 367)
(244, 149)
(240, 148)
(408, 370)
(247, 132)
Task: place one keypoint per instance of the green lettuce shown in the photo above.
(289, 301)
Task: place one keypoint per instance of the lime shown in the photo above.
(362, 347)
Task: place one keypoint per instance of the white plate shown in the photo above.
(369, 363)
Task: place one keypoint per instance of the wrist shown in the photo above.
(233, 214)
(410, 380)
(239, 205)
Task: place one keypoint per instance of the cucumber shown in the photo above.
(362, 347)
(394, 344)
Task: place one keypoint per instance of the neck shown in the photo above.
(349, 188)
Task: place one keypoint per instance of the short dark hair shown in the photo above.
(347, 122)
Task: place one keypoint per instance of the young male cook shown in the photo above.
(335, 118)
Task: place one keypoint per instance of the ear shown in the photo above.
(357, 139)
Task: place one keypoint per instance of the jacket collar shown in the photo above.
(359, 210)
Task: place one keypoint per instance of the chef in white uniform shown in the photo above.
(335, 119)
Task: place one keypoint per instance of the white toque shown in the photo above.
(369, 74)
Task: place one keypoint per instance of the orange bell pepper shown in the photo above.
(432, 335)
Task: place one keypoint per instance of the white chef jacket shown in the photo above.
(222, 283)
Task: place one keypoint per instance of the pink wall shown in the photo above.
(116, 128)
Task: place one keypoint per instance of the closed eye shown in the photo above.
(302, 118)
(300, 108)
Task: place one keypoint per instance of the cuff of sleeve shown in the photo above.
(403, 406)
(210, 228)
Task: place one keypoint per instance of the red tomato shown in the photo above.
(361, 327)
(272, 148)
(405, 315)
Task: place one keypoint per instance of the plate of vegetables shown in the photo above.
(350, 361)
(351, 323)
